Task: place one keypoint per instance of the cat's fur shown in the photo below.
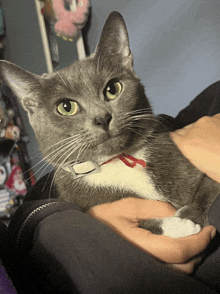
(103, 128)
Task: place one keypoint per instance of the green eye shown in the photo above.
(112, 90)
(68, 108)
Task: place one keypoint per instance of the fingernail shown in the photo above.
(213, 233)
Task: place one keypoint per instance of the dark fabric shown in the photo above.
(44, 189)
(209, 271)
(206, 103)
(71, 252)
(63, 250)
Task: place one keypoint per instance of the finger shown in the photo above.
(186, 268)
(169, 250)
(195, 244)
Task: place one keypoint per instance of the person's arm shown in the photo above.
(123, 217)
(200, 143)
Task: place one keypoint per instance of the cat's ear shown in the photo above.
(114, 40)
(25, 85)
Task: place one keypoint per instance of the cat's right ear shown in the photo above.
(114, 41)
(25, 85)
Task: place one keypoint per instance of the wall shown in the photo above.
(175, 44)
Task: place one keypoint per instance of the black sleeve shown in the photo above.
(55, 248)
(206, 103)
(209, 271)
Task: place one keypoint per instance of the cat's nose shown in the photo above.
(103, 121)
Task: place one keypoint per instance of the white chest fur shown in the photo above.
(116, 174)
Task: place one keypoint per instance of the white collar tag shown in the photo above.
(82, 169)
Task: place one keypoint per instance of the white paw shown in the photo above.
(176, 227)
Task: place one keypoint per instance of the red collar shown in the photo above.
(83, 169)
(132, 162)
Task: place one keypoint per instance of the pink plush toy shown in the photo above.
(70, 23)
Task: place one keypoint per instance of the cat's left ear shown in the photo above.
(25, 85)
(114, 40)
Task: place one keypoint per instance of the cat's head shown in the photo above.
(92, 109)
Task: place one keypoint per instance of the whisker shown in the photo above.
(133, 116)
(54, 154)
(47, 181)
(34, 174)
(57, 143)
(70, 144)
(137, 112)
(66, 145)
(63, 161)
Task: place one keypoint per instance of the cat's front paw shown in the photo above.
(174, 227)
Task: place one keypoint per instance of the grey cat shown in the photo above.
(103, 139)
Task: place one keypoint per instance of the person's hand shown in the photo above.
(123, 217)
(200, 144)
